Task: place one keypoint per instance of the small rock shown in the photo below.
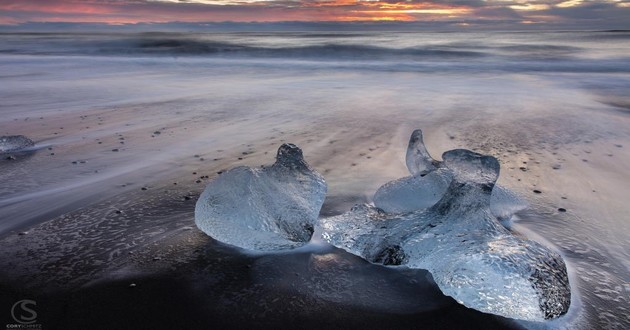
(537, 191)
(23, 233)
(556, 166)
(144, 188)
(115, 150)
(562, 209)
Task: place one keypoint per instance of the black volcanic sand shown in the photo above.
(137, 261)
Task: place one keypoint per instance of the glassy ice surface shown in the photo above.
(471, 256)
(429, 182)
(264, 209)
(14, 143)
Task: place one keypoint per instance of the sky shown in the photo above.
(568, 13)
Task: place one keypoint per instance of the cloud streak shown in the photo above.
(464, 12)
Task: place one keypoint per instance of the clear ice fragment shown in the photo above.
(428, 182)
(471, 256)
(265, 209)
(13, 143)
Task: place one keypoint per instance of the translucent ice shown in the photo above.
(265, 209)
(428, 183)
(14, 143)
(471, 256)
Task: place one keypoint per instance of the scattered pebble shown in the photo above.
(144, 188)
(537, 191)
(23, 233)
(115, 150)
(618, 146)
(556, 166)
(157, 133)
(562, 209)
(524, 169)
(157, 258)
(10, 158)
(186, 198)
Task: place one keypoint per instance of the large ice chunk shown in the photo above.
(428, 183)
(13, 143)
(471, 256)
(264, 209)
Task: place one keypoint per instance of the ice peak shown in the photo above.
(418, 159)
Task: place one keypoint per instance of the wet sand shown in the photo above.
(107, 200)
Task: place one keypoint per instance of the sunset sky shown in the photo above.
(575, 13)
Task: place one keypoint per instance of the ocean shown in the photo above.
(129, 127)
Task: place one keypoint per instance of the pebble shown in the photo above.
(23, 233)
(562, 209)
(115, 150)
(144, 188)
(537, 191)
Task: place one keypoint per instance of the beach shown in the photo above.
(97, 221)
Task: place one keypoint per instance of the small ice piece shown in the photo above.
(428, 183)
(471, 256)
(413, 192)
(14, 143)
(264, 209)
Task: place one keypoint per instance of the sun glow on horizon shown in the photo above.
(523, 12)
